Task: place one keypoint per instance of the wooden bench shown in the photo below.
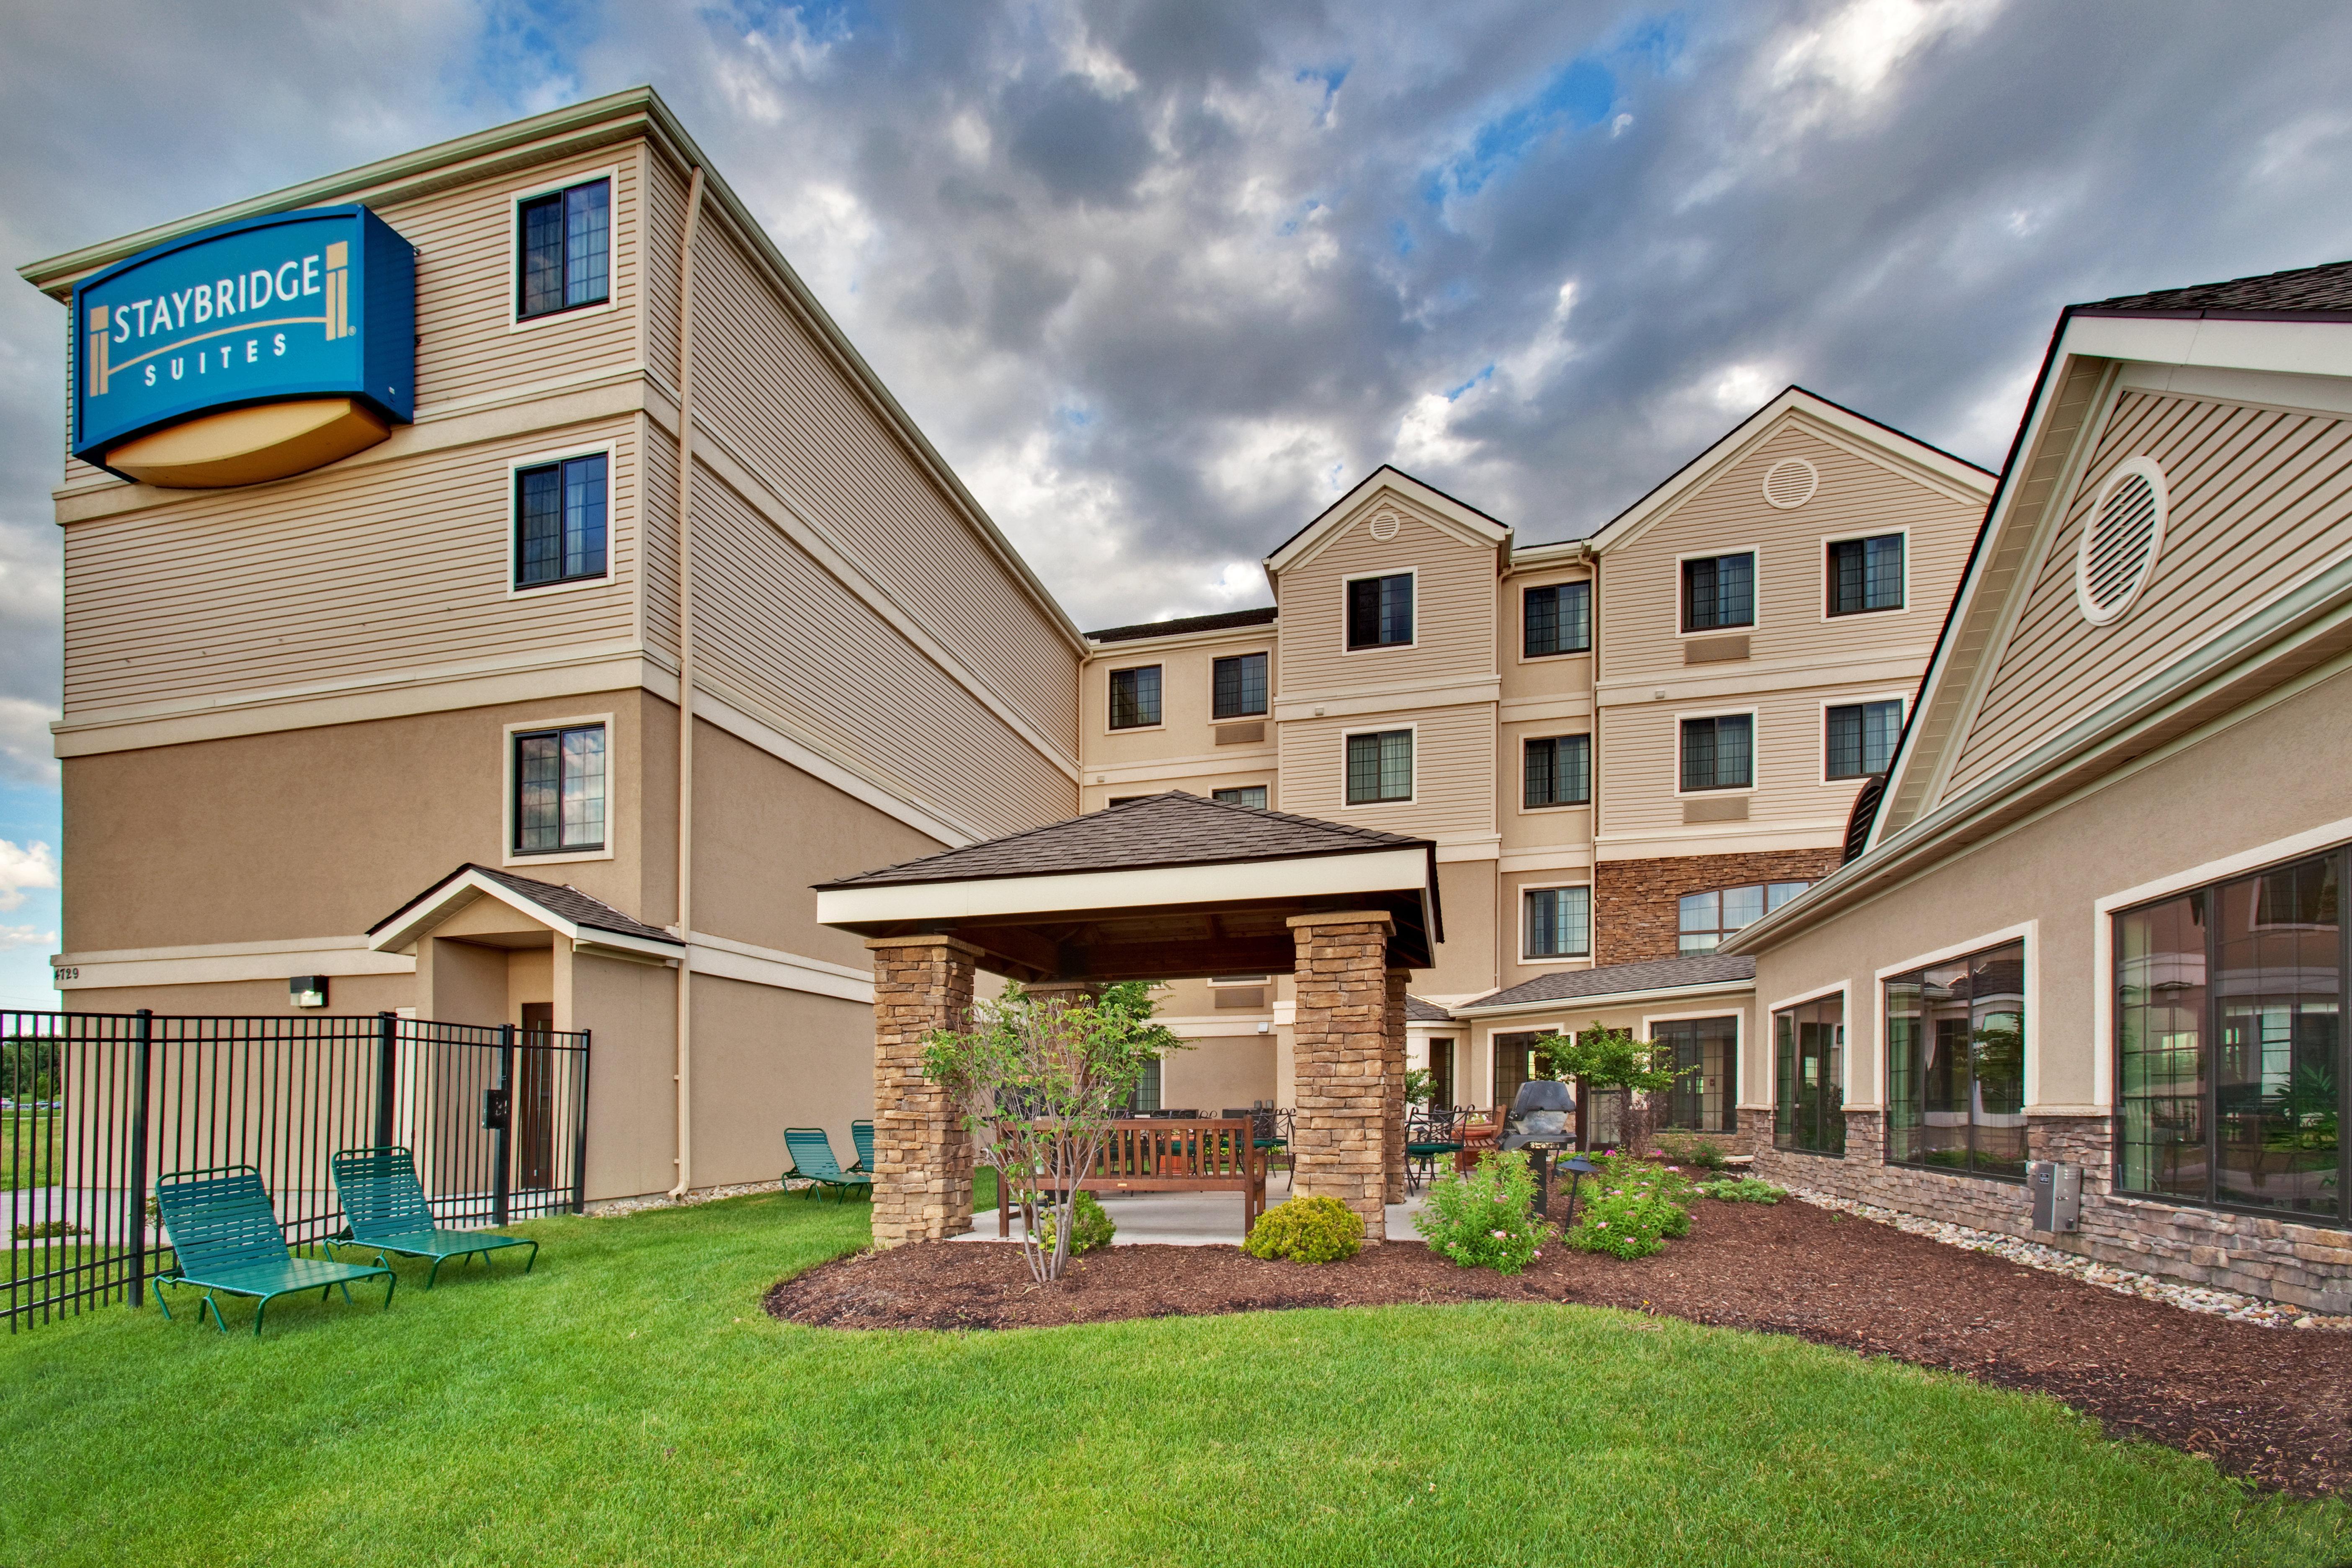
(1167, 1154)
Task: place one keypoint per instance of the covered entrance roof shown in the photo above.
(1167, 886)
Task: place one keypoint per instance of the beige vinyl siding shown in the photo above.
(1453, 771)
(2260, 498)
(1640, 610)
(1186, 703)
(1453, 608)
(777, 630)
(342, 574)
(766, 384)
(1640, 745)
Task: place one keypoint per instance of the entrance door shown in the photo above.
(534, 1098)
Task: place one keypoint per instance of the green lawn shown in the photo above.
(27, 1150)
(629, 1403)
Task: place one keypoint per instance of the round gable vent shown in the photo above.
(2121, 540)
(1789, 483)
(1384, 527)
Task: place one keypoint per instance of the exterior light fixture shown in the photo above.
(308, 990)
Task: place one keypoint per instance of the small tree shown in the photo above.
(1044, 1076)
(1604, 1058)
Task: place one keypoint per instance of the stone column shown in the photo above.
(1393, 1071)
(922, 1155)
(1341, 1055)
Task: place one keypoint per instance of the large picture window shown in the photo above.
(1559, 922)
(1380, 611)
(1719, 753)
(1708, 918)
(1866, 574)
(566, 251)
(1706, 1096)
(1135, 697)
(2230, 1044)
(1379, 767)
(560, 512)
(1859, 737)
(1557, 618)
(1558, 770)
(559, 789)
(1808, 1068)
(1238, 685)
(1719, 591)
(1955, 1064)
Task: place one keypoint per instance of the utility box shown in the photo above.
(2057, 1195)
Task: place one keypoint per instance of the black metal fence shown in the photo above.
(95, 1107)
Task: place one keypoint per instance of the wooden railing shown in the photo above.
(1166, 1156)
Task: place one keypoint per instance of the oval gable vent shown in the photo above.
(1789, 483)
(1384, 527)
(2121, 540)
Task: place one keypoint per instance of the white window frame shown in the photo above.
(516, 320)
(1755, 753)
(1108, 672)
(1266, 713)
(1844, 991)
(2027, 931)
(1520, 791)
(1520, 637)
(1413, 728)
(1266, 784)
(1823, 548)
(515, 465)
(1414, 641)
(1756, 550)
(1821, 757)
(507, 856)
(1592, 921)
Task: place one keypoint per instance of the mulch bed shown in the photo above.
(2274, 1405)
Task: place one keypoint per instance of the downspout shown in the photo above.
(685, 689)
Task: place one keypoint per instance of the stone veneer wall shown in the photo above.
(1342, 1050)
(922, 1155)
(1637, 909)
(2310, 1265)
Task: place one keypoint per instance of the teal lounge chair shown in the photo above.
(385, 1208)
(227, 1237)
(813, 1162)
(861, 1135)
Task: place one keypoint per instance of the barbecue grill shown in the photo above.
(1542, 1120)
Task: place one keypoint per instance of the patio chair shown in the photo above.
(1482, 1131)
(861, 1135)
(812, 1163)
(224, 1236)
(1431, 1133)
(385, 1208)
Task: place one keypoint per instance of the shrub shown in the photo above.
(1692, 1151)
(1743, 1190)
(1479, 1218)
(47, 1227)
(1624, 1223)
(1306, 1230)
(1090, 1227)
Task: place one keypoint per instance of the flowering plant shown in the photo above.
(1479, 1219)
(1634, 1207)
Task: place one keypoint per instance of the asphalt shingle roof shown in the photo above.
(1423, 1012)
(2324, 291)
(564, 901)
(1258, 618)
(1170, 829)
(1660, 974)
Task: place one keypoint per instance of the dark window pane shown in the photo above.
(1238, 685)
(1866, 574)
(1541, 621)
(1716, 752)
(1252, 795)
(1808, 1100)
(583, 517)
(539, 525)
(1379, 767)
(542, 256)
(587, 227)
(2277, 1046)
(1558, 770)
(1559, 922)
(560, 779)
(1704, 1097)
(1955, 1064)
(1135, 697)
(538, 783)
(1541, 754)
(1380, 611)
(2160, 1079)
(1719, 591)
(1860, 739)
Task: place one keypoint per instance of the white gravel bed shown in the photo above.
(2105, 1275)
(619, 1206)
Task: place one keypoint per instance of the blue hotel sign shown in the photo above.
(314, 304)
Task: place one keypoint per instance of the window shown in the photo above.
(1250, 796)
(1441, 1073)
(1379, 767)
(1866, 574)
(1709, 917)
(1144, 1097)
(1558, 619)
(1380, 611)
(2230, 1044)
(1239, 685)
(1559, 922)
(1809, 1063)
(1719, 591)
(1955, 1064)
(1719, 754)
(1705, 1097)
(1560, 771)
(1517, 1061)
(560, 522)
(566, 250)
(1859, 739)
(1135, 697)
(559, 789)
(1122, 799)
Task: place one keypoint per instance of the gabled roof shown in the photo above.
(1471, 525)
(1169, 829)
(2321, 293)
(1710, 971)
(1180, 625)
(1793, 401)
(1417, 1011)
(561, 908)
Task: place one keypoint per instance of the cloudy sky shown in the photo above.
(1162, 277)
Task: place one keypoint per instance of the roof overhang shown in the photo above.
(404, 930)
(1607, 999)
